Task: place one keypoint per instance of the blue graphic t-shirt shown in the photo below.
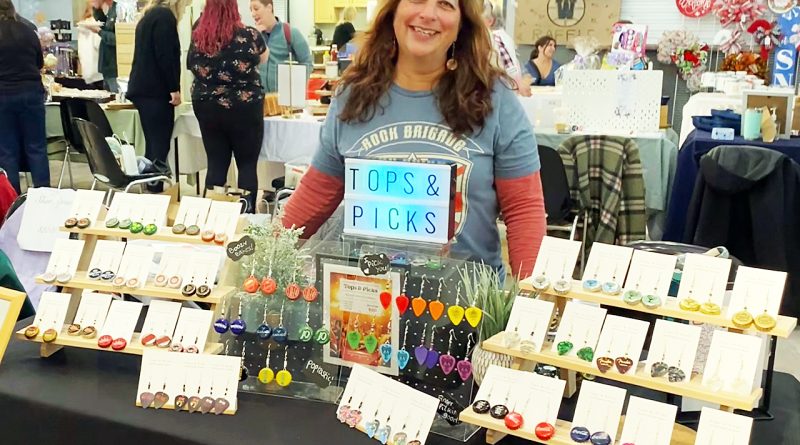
(409, 127)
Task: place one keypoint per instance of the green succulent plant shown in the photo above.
(488, 290)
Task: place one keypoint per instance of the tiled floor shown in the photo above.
(787, 359)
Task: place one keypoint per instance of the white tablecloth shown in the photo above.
(701, 104)
(285, 140)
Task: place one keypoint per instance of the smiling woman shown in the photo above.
(422, 88)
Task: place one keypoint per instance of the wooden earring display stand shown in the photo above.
(80, 282)
(693, 388)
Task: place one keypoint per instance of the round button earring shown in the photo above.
(545, 431)
(104, 341)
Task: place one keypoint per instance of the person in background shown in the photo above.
(282, 40)
(423, 88)
(22, 115)
(154, 86)
(542, 67)
(106, 11)
(505, 49)
(227, 96)
(344, 30)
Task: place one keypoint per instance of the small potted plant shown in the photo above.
(485, 288)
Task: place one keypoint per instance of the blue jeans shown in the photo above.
(23, 141)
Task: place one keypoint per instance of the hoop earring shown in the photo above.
(452, 63)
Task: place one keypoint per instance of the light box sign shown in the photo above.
(399, 200)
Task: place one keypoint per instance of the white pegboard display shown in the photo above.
(623, 103)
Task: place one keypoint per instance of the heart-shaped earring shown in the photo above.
(436, 307)
(354, 336)
(419, 304)
(464, 367)
(402, 355)
(421, 352)
(455, 312)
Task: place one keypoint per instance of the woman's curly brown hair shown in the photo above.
(464, 96)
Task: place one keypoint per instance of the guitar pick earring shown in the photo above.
(624, 362)
(181, 400)
(370, 340)
(353, 335)
(284, 377)
(371, 426)
(418, 304)
(456, 312)
(674, 373)
(221, 404)
(402, 300)
(436, 307)
(464, 366)
(146, 397)
(432, 356)
(446, 361)
(353, 416)
(606, 362)
(402, 354)
(238, 326)
(266, 375)
(659, 368)
(421, 352)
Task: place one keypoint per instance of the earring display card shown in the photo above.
(557, 258)
(65, 257)
(732, 362)
(121, 320)
(52, 311)
(203, 269)
(45, 211)
(580, 327)
(757, 291)
(648, 422)
(536, 397)
(162, 316)
(87, 204)
(107, 255)
(153, 208)
(599, 408)
(193, 211)
(192, 327)
(622, 340)
(607, 263)
(717, 427)
(122, 207)
(135, 265)
(704, 278)
(650, 272)
(673, 345)
(371, 400)
(530, 319)
(93, 309)
(223, 217)
(208, 383)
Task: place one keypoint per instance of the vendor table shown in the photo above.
(285, 140)
(701, 104)
(697, 144)
(125, 123)
(86, 396)
(659, 157)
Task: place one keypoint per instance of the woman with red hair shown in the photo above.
(227, 96)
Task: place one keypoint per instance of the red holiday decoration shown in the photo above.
(694, 8)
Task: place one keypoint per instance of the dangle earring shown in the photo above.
(709, 307)
(528, 346)
(500, 411)
(482, 406)
(221, 325)
(386, 347)
(402, 355)
(181, 400)
(446, 361)
(266, 374)
(371, 341)
(354, 335)
(432, 357)
(514, 419)
(146, 397)
(371, 426)
(541, 283)
(452, 63)
(633, 296)
(264, 331)
(293, 290)
(586, 353)
(33, 330)
(436, 307)
(511, 338)
(612, 287)
(563, 285)
(456, 312)
(401, 437)
(280, 334)
(251, 283)
(659, 368)
(418, 304)
(464, 366)
(765, 322)
(161, 398)
(566, 345)
(243, 371)
(353, 416)
(222, 403)
(743, 319)
(341, 413)
(310, 292)
(238, 326)
(306, 333)
(689, 303)
(421, 352)
(402, 300)
(624, 363)
(592, 284)
(284, 377)
(385, 430)
(652, 300)
(268, 283)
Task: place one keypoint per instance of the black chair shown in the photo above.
(103, 163)
(71, 109)
(98, 117)
(555, 186)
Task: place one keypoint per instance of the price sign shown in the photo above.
(694, 8)
(399, 200)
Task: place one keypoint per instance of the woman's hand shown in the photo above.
(265, 55)
(175, 98)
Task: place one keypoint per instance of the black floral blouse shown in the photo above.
(229, 77)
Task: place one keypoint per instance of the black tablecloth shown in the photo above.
(87, 397)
